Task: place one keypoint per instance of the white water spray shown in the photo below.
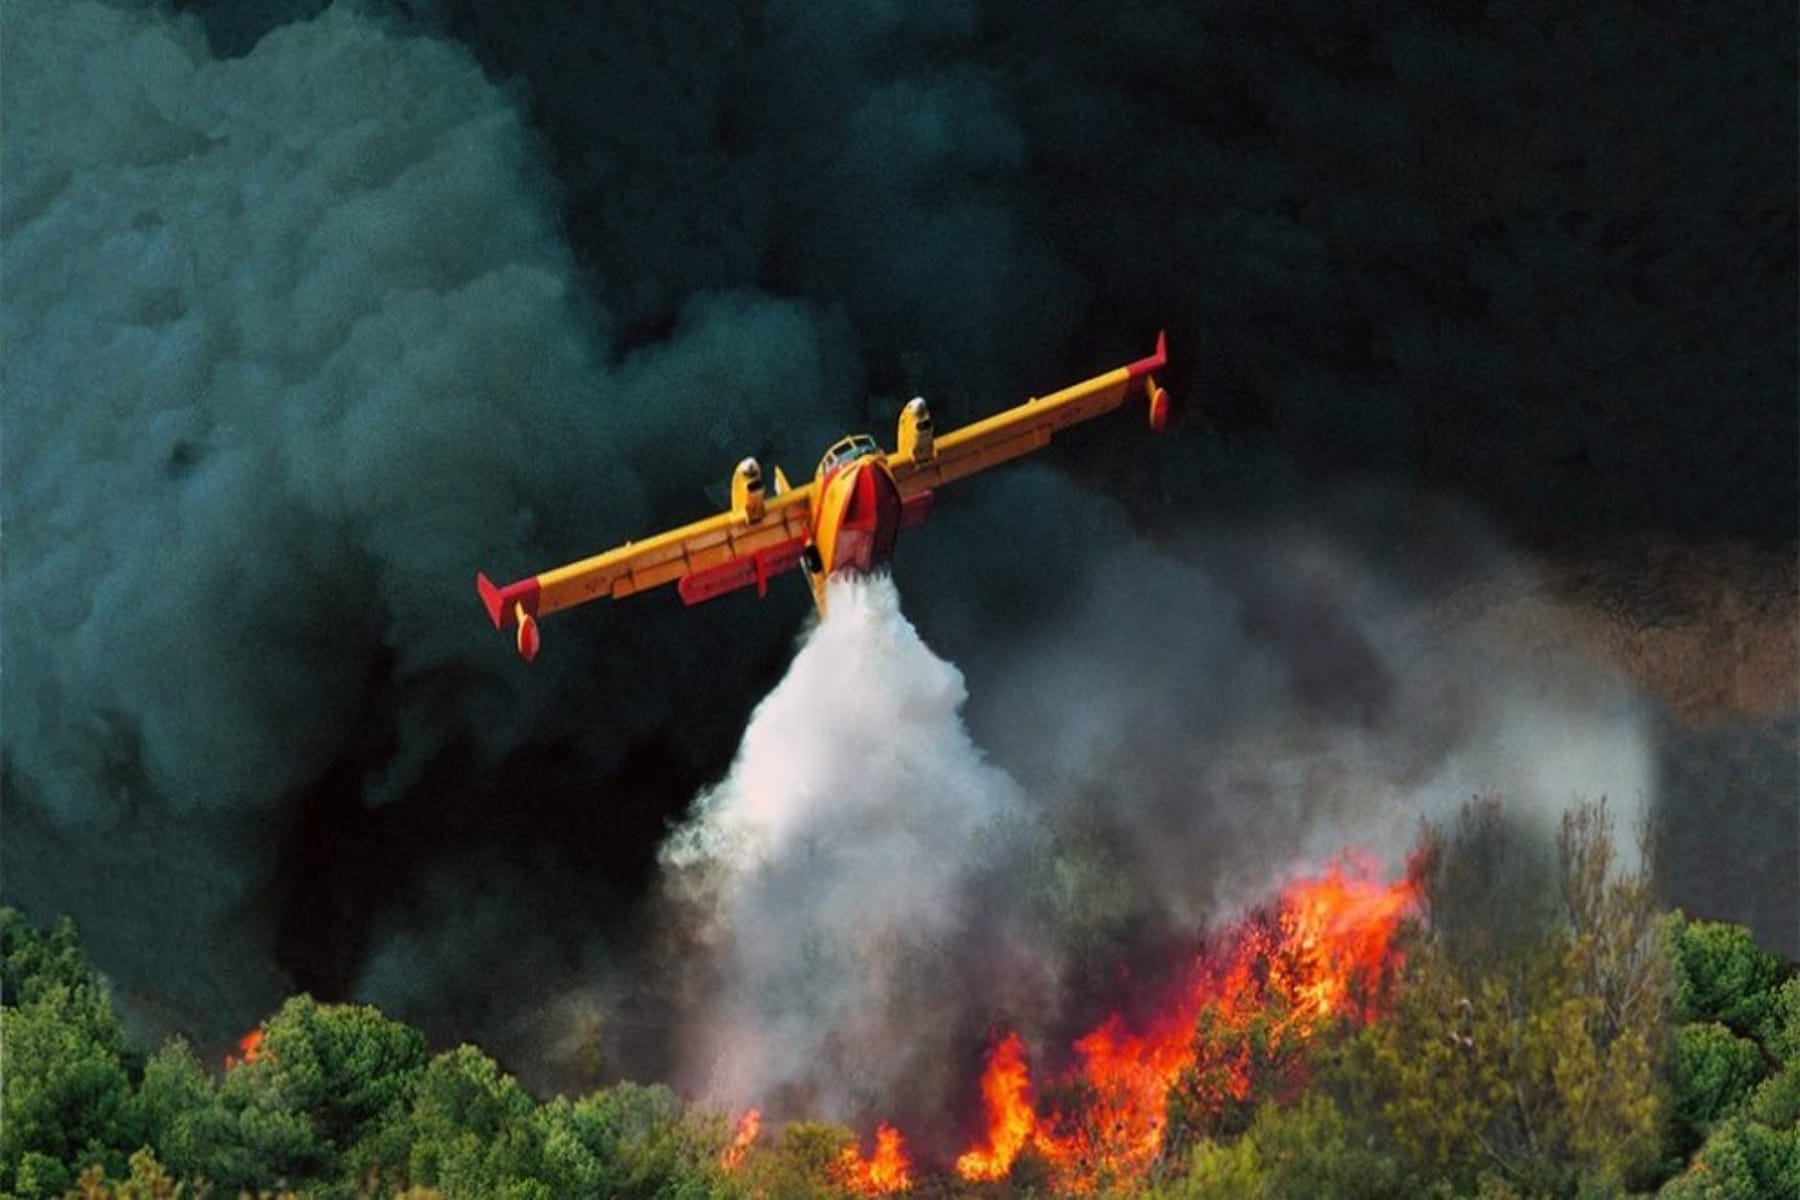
(836, 860)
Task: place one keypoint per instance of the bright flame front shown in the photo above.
(886, 1171)
(1324, 955)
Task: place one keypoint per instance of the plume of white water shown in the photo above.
(836, 861)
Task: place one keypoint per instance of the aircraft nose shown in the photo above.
(871, 518)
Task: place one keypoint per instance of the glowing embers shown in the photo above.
(1233, 1033)
(886, 1171)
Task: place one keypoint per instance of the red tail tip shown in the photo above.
(1155, 362)
(490, 596)
(515, 604)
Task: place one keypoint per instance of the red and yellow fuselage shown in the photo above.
(857, 514)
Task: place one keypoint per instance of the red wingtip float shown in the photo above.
(845, 520)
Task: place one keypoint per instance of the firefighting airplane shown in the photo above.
(845, 520)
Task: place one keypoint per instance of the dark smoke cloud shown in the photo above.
(310, 311)
(289, 361)
(1544, 262)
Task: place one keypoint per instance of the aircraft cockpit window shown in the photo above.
(847, 450)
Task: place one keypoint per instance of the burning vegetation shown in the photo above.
(1438, 1033)
(1323, 952)
(886, 1171)
(1234, 1030)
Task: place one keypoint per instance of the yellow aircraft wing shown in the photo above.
(751, 543)
(1028, 426)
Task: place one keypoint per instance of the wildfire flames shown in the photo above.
(1232, 1033)
(249, 1049)
(1012, 1120)
(1322, 954)
(887, 1170)
(748, 1126)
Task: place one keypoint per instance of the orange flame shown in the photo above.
(1323, 954)
(888, 1171)
(1339, 931)
(748, 1126)
(251, 1047)
(1012, 1120)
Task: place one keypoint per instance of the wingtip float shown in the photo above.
(845, 520)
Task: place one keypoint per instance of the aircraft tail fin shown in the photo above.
(515, 604)
(1159, 398)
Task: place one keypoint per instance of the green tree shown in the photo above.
(1536, 1061)
(1247, 1051)
(1217, 1169)
(634, 1142)
(1784, 1036)
(1736, 1085)
(1741, 1160)
(800, 1165)
(342, 1064)
(1715, 1071)
(1722, 975)
(34, 960)
(325, 1077)
(470, 1130)
(176, 1107)
(1305, 1151)
(63, 1102)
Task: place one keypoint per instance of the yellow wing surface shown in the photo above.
(749, 544)
(1029, 426)
(758, 539)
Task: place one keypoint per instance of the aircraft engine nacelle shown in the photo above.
(915, 432)
(747, 492)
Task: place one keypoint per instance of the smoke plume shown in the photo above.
(287, 362)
